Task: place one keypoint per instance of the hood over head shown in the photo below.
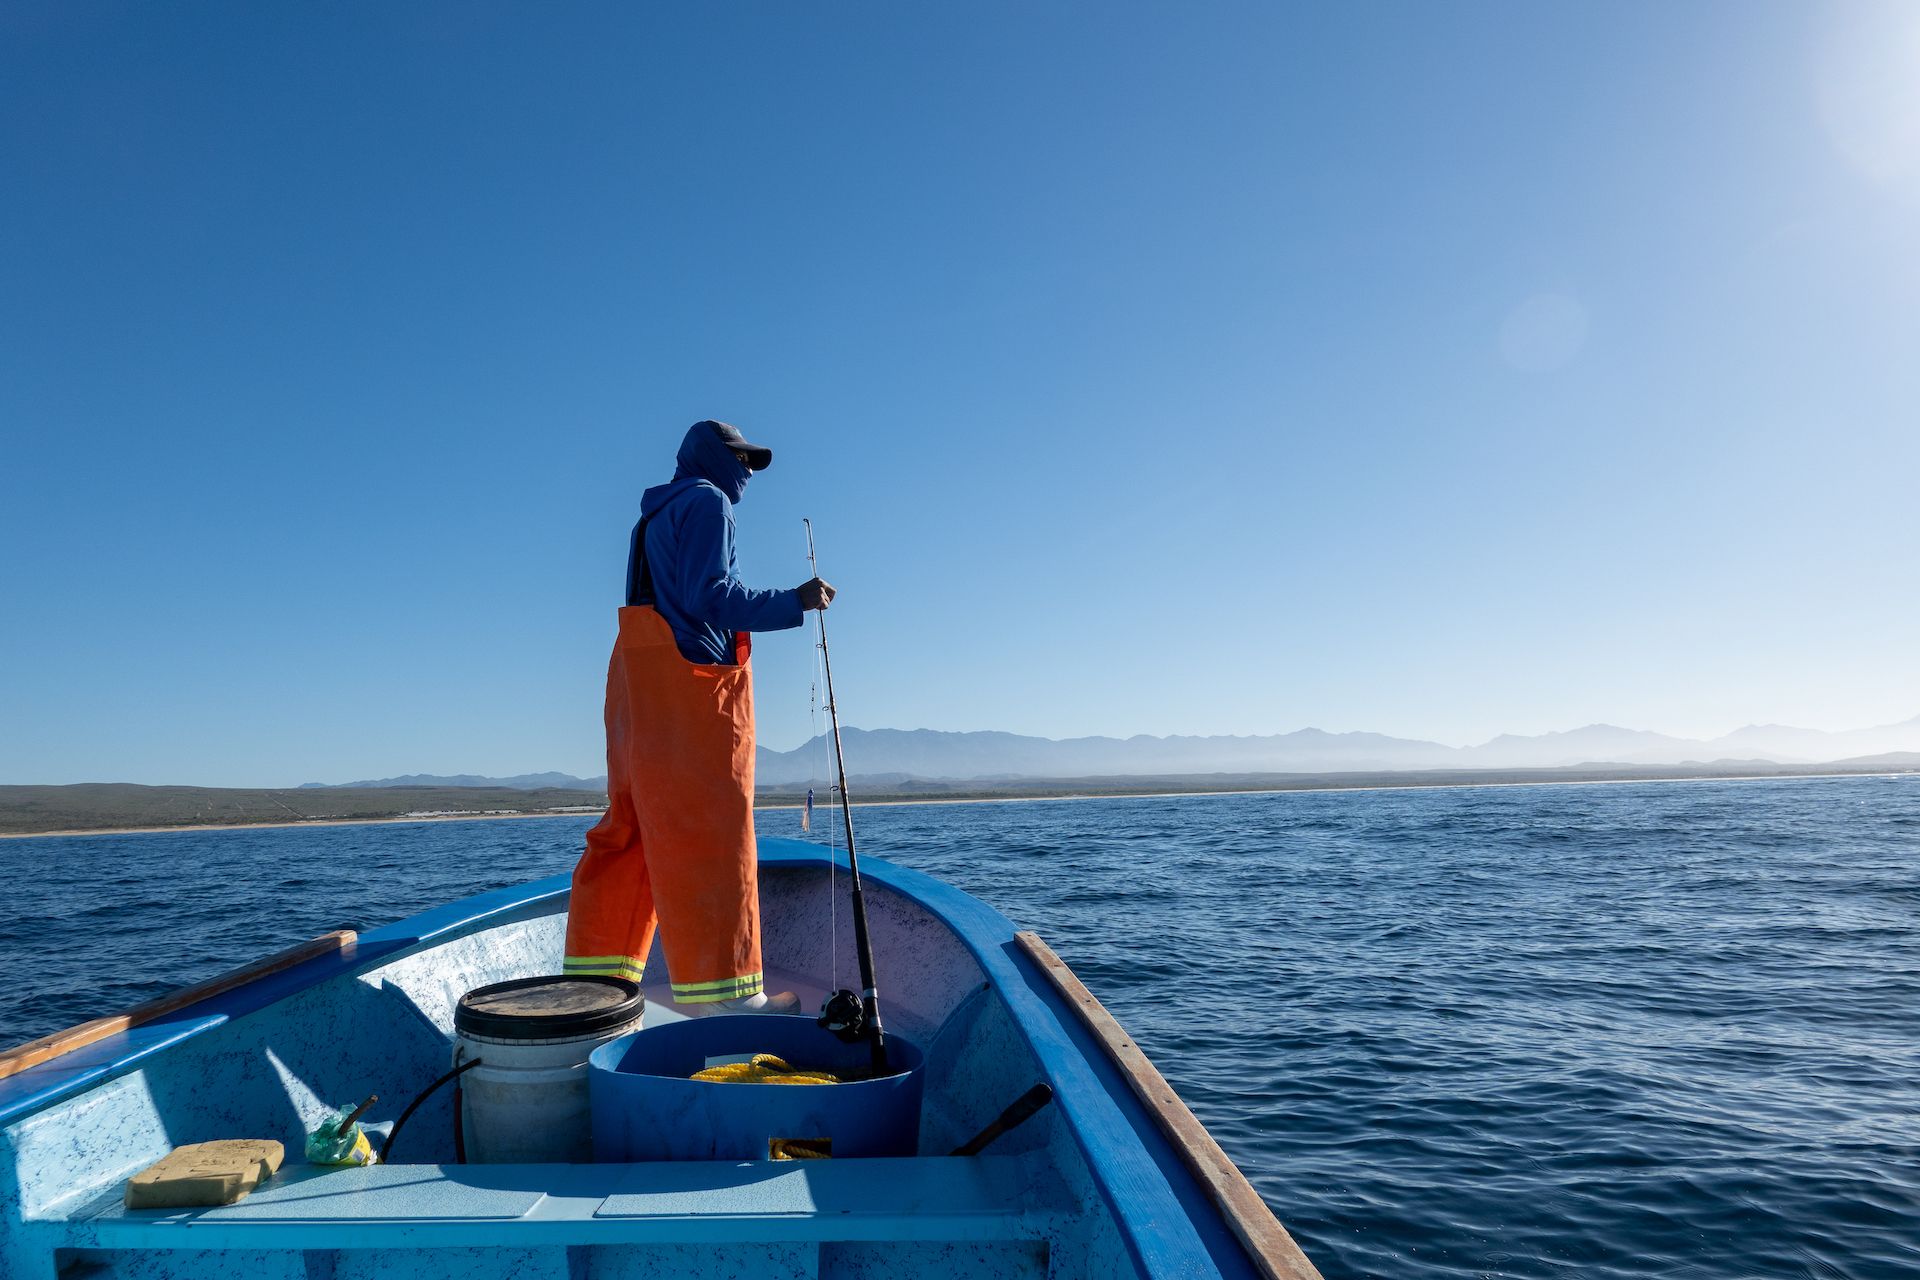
(706, 455)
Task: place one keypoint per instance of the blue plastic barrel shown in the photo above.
(645, 1107)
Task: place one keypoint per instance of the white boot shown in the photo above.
(759, 1002)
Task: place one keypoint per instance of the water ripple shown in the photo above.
(1605, 1031)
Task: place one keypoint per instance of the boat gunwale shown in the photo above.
(58, 1044)
(1259, 1230)
(84, 1066)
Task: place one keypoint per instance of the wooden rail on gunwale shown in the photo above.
(1267, 1243)
(35, 1052)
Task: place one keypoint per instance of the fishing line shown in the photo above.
(817, 774)
(848, 1016)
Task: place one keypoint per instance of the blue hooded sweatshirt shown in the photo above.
(688, 531)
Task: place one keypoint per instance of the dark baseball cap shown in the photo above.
(759, 457)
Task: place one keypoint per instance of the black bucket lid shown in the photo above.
(556, 1008)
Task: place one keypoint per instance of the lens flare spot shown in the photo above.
(1543, 333)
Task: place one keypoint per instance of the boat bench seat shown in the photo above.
(678, 1202)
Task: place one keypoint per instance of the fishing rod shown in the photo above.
(852, 1018)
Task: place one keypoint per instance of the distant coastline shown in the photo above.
(116, 806)
(275, 826)
(19, 820)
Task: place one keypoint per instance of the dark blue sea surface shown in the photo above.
(1663, 1030)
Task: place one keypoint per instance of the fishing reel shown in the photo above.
(845, 1016)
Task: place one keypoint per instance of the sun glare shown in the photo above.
(1869, 92)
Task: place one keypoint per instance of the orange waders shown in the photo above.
(677, 841)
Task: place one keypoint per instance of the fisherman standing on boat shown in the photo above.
(676, 844)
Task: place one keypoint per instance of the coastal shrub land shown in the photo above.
(104, 806)
(119, 806)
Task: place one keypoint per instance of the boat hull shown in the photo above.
(1095, 1185)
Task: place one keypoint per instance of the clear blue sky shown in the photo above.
(1439, 370)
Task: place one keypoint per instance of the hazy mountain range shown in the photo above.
(518, 782)
(936, 754)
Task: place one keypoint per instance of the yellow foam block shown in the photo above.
(205, 1173)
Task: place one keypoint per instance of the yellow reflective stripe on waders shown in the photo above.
(720, 989)
(605, 966)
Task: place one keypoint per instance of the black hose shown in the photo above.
(413, 1106)
(1024, 1108)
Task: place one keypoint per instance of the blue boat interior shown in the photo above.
(1090, 1187)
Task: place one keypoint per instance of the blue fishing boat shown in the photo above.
(1114, 1178)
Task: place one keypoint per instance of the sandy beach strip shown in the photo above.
(1323, 789)
(303, 822)
(931, 800)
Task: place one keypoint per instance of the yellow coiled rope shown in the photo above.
(765, 1068)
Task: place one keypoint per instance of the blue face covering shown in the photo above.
(704, 456)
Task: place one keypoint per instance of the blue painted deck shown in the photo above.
(400, 1206)
(1089, 1188)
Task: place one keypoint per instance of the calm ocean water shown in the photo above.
(1661, 1030)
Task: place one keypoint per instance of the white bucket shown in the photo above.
(527, 1101)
